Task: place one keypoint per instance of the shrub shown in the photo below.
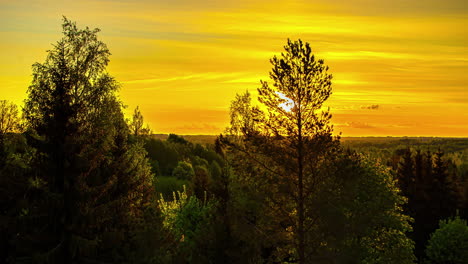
(449, 243)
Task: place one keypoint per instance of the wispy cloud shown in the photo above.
(358, 125)
(192, 77)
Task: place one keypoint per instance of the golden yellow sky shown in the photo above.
(400, 67)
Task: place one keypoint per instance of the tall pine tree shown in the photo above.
(291, 138)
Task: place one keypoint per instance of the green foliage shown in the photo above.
(197, 161)
(215, 171)
(173, 138)
(88, 184)
(14, 184)
(434, 181)
(425, 180)
(176, 149)
(9, 118)
(251, 230)
(78, 185)
(164, 153)
(136, 124)
(167, 185)
(190, 221)
(155, 167)
(280, 145)
(389, 149)
(9, 123)
(359, 214)
(380, 147)
(314, 202)
(218, 179)
(149, 242)
(183, 171)
(449, 243)
(201, 182)
(241, 115)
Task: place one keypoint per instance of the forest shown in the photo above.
(81, 183)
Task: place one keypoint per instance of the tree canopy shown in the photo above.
(9, 117)
(91, 184)
(284, 148)
(449, 243)
(9, 122)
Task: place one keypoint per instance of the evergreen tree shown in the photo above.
(290, 139)
(201, 182)
(444, 189)
(91, 184)
(136, 124)
(405, 175)
(218, 184)
(424, 179)
(284, 151)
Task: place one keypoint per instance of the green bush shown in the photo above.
(191, 222)
(183, 171)
(449, 243)
(167, 185)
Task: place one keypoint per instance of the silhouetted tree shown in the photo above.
(424, 179)
(91, 184)
(290, 138)
(405, 174)
(9, 118)
(287, 161)
(9, 122)
(443, 187)
(242, 116)
(136, 124)
(201, 182)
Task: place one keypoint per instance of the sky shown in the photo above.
(400, 68)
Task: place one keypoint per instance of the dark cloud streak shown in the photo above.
(370, 107)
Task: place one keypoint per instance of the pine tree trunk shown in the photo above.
(301, 220)
(300, 209)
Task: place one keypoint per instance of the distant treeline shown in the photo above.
(446, 144)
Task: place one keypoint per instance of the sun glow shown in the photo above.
(285, 102)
